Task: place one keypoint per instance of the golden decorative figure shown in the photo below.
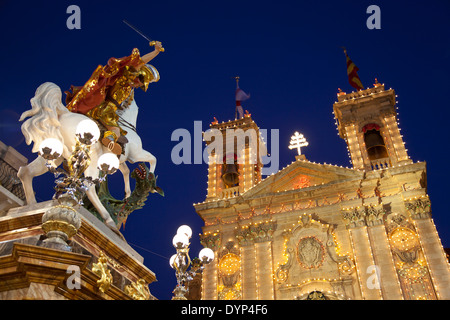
(138, 290)
(101, 269)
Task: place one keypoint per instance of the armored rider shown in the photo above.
(108, 87)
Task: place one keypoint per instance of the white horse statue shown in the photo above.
(49, 118)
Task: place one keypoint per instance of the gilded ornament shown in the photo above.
(101, 269)
(138, 290)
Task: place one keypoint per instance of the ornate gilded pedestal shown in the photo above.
(53, 252)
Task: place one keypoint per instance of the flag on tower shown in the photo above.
(240, 96)
(352, 72)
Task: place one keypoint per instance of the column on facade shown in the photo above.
(209, 281)
(362, 149)
(264, 270)
(388, 279)
(364, 262)
(212, 177)
(245, 179)
(434, 255)
(353, 146)
(248, 272)
(397, 143)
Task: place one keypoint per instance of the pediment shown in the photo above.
(300, 175)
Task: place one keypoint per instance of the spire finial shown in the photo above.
(376, 84)
(237, 81)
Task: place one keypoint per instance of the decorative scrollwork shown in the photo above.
(138, 290)
(101, 269)
(282, 272)
(419, 208)
(360, 216)
(256, 233)
(210, 240)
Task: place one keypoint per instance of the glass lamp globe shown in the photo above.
(50, 149)
(108, 163)
(87, 132)
(185, 229)
(180, 241)
(172, 260)
(206, 255)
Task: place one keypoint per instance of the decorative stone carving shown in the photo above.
(311, 242)
(310, 252)
(229, 276)
(405, 244)
(374, 215)
(60, 223)
(395, 220)
(211, 240)
(261, 232)
(345, 263)
(371, 215)
(354, 217)
(282, 272)
(419, 208)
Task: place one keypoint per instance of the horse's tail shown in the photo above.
(46, 107)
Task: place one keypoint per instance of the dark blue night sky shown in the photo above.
(289, 58)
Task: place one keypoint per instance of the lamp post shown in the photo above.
(62, 222)
(181, 261)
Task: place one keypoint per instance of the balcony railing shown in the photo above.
(381, 163)
(230, 192)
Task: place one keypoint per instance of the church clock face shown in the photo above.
(310, 252)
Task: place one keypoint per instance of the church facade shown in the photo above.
(320, 231)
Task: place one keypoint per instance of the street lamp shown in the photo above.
(181, 261)
(62, 222)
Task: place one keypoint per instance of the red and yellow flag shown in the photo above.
(352, 72)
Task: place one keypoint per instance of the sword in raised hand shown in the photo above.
(152, 42)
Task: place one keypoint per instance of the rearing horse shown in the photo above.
(49, 118)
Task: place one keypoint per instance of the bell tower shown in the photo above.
(235, 151)
(367, 121)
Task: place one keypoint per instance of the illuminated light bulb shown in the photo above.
(87, 132)
(50, 149)
(108, 163)
(172, 260)
(180, 240)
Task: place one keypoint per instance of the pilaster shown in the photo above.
(249, 284)
(264, 266)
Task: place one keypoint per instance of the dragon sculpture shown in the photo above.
(121, 209)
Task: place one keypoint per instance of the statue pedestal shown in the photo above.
(30, 268)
